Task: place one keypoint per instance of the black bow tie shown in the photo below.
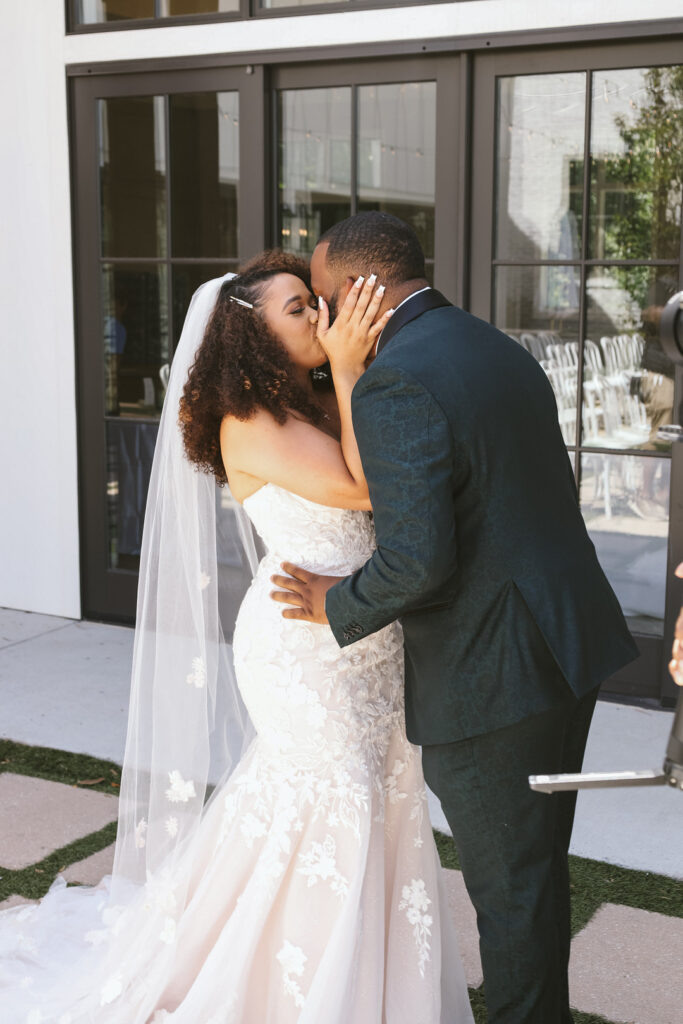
(413, 307)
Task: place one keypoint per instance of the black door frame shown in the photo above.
(106, 593)
(648, 676)
(110, 594)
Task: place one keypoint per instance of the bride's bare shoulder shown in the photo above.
(259, 422)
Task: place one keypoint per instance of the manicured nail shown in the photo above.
(359, 282)
(380, 290)
(372, 279)
(389, 312)
(320, 302)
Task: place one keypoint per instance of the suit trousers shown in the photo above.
(513, 847)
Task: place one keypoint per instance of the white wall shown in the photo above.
(476, 17)
(39, 562)
(39, 559)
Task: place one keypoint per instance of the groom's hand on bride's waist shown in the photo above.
(304, 592)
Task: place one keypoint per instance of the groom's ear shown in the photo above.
(346, 288)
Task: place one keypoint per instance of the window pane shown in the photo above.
(135, 338)
(132, 161)
(204, 147)
(628, 380)
(266, 4)
(396, 151)
(637, 163)
(314, 164)
(539, 308)
(90, 12)
(186, 279)
(177, 7)
(625, 502)
(539, 173)
(299, 3)
(130, 450)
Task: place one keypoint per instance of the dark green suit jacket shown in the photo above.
(482, 552)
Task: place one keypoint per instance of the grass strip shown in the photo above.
(33, 881)
(60, 766)
(593, 883)
(481, 1017)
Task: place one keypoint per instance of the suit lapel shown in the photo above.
(410, 310)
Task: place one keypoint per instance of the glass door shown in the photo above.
(575, 258)
(163, 204)
(363, 136)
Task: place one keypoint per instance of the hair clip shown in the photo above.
(241, 302)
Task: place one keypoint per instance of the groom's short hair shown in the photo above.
(374, 242)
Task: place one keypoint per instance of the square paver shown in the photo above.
(91, 870)
(42, 816)
(15, 901)
(626, 966)
(465, 918)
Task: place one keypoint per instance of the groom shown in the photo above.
(509, 623)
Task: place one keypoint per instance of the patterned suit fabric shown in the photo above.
(482, 552)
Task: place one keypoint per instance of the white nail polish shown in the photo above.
(359, 281)
(320, 301)
(389, 312)
(372, 279)
(380, 290)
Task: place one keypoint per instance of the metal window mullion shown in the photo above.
(275, 117)
(659, 262)
(640, 452)
(585, 212)
(169, 282)
(680, 249)
(354, 149)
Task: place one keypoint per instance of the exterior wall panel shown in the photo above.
(39, 556)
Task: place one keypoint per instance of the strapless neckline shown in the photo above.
(322, 538)
(292, 494)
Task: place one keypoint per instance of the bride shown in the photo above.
(307, 888)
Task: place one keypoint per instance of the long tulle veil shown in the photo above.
(70, 958)
(187, 726)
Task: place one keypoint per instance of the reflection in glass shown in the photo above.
(234, 572)
(628, 388)
(302, 3)
(266, 4)
(177, 7)
(396, 154)
(186, 279)
(539, 166)
(135, 338)
(130, 450)
(636, 163)
(625, 503)
(132, 163)
(539, 308)
(91, 12)
(204, 147)
(314, 164)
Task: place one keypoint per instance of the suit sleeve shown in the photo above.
(406, 447)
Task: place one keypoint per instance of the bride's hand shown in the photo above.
(352, 336)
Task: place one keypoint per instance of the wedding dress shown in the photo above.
(311, 892)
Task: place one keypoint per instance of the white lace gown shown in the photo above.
(315, 892)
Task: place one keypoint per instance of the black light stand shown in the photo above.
(671, 331)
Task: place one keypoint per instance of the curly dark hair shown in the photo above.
(241, 365)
